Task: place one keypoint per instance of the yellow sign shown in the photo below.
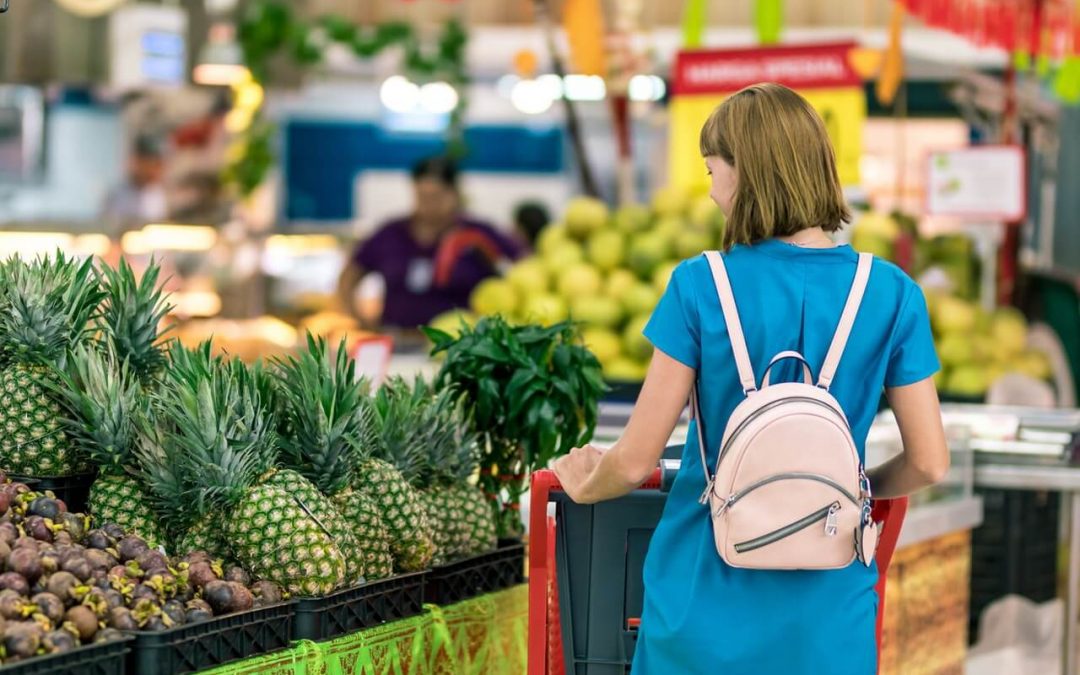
(704, 79)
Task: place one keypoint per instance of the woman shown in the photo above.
(431, 260)
(774, 176)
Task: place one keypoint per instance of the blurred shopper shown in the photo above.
(531, 218)
(774, 177)
(141, 198)
(431, 260)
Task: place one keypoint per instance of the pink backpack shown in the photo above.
(788, 491)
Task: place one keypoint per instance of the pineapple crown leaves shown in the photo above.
(130, 317)
(424, 432)
(163, 469)
(47, 308)
(326, 415)
(101, 399)
(218, 425)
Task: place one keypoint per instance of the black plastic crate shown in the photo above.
(73, 490)
(206, 644)
(107, 658)
(1014, 551)
(485, 573)
(358, 608)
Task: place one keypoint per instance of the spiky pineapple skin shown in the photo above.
(204, 536)
(448, 527)
(329, 517)
(479, 530)
(32, 442)
(402, 512)
(121, 500)
(276, 540)
(362, 513)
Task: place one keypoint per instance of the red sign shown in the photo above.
(718, 71)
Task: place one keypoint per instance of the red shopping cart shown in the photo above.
(585, 600)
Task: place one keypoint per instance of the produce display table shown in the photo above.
(484, 635)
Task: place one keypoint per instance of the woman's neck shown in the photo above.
(813, 237)
(427, 232)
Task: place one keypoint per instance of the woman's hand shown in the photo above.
(574, 470)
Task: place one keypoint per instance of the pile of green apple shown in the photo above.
(605, 270)
(977, 347)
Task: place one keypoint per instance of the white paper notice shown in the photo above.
(977, 183)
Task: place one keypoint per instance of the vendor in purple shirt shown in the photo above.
(432, 259)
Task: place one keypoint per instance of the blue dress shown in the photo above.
(701, 615)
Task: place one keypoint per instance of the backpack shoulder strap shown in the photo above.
(847, 320)
(731, 317)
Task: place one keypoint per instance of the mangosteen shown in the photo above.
(63, 537)
(95, 599)
(13, 606)
(114, 531)
(38, 528)
(61, 584)
(266, 593)
(121, 619)
(5, 502)
(15, 582)
(26, 563)
(144, 592)
(100, 560)
(130, 547)
(58, 641)
(61, 504)
(50, 563)
(174, 609)
(151, 560)
(49, 605)
(201, 573)
(8, 533)
(197, 615)
(84, 620)
(22, 639)
(99, 539)
(100, 578)
(237, 574)
(108, 635)
(226, 597)
(5, 550)
(114, 598)
(78, 565)
(75, 524)
(44, 507)
(197, 556)
(26, 542)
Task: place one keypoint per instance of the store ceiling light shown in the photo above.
(221, 62)
(647, 88)
(160, 237)
(399, 95)
(438, 98)
(585, 87)
(31, 244)
(532, 97)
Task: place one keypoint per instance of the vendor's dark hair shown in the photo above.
(442, 169)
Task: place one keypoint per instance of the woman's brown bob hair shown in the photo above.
(787, 179)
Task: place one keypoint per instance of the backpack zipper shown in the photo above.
(790, 475)
(765, 408)
(827, 514)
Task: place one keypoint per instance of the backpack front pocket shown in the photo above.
(826, 515)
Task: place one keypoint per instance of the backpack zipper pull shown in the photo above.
(831, 525)
(704, 498)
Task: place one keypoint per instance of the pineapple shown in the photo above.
(459, 511)
(326, 421)
(226, 444)
(387, 475)
(46, 309)
(102, 401)
(128, 326)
